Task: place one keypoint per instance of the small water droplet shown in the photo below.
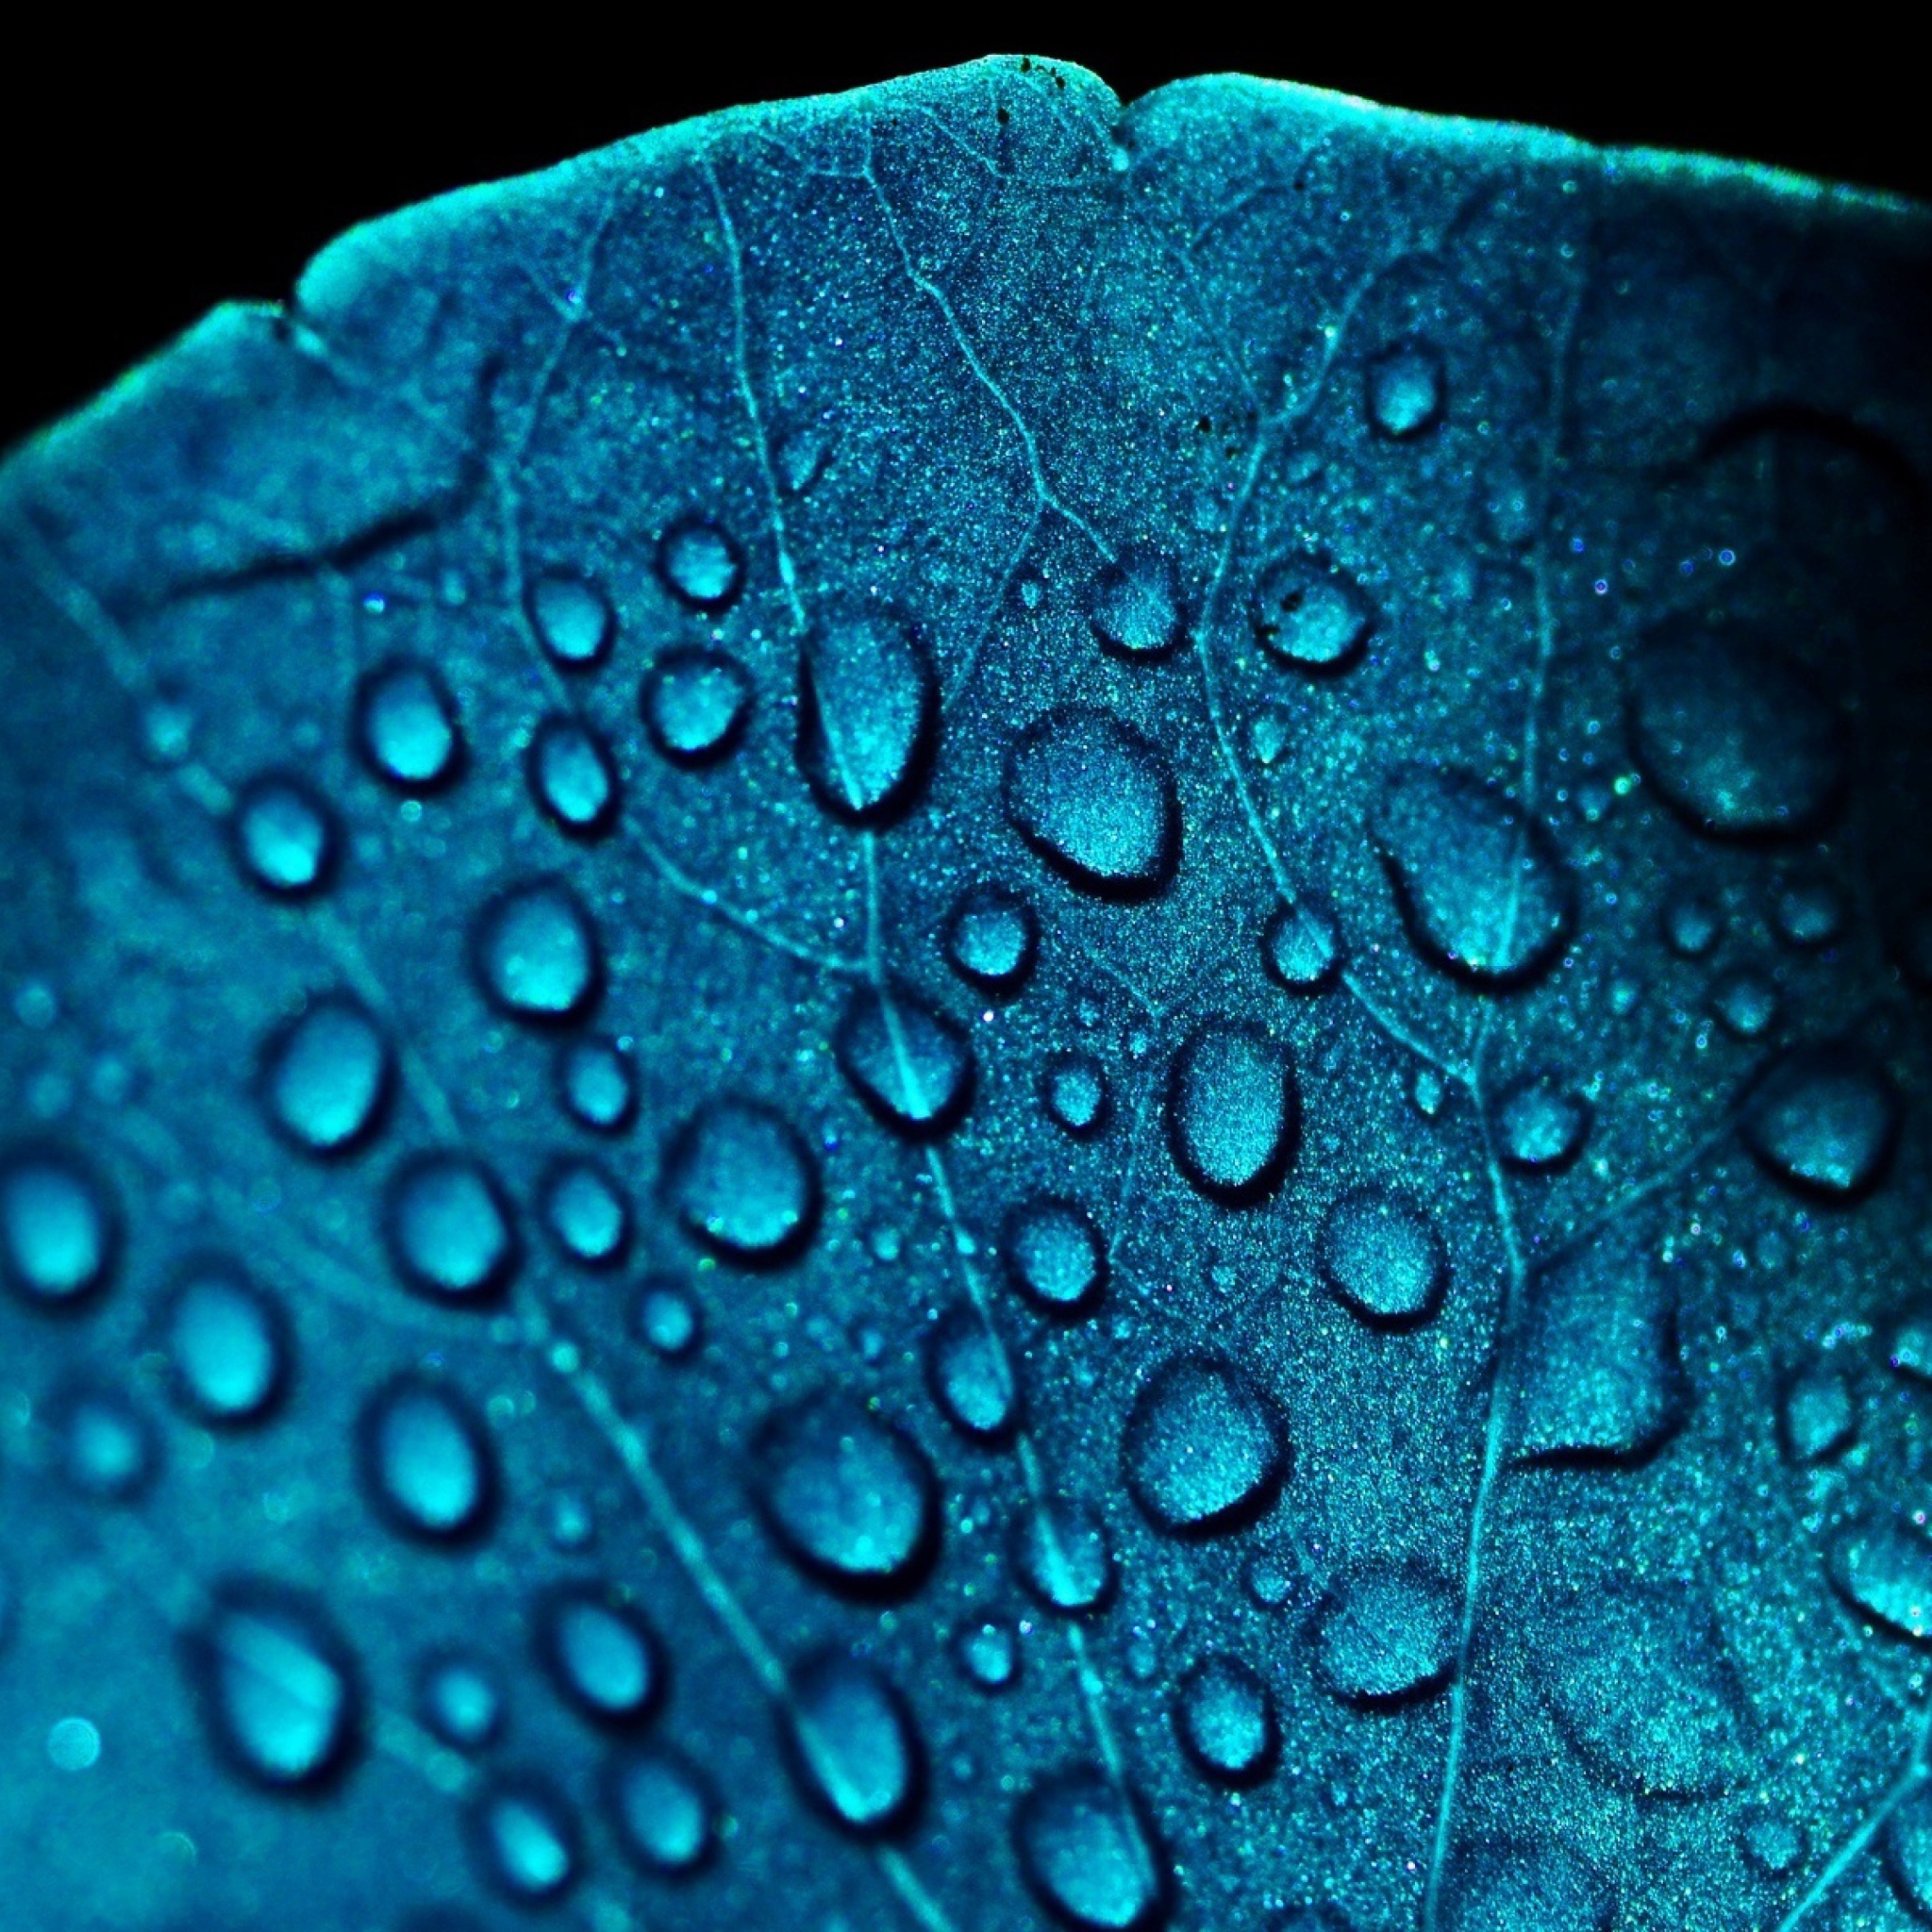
(1692, 926)
(281, 1690)
(587, 1214)
(1310, 615)
(1809, 913)
(1301, 947)
(285, 838)
(742, 1181)
(427, 1463)
(1062, 1556)
(909, 1064)
(665, 1812)
(107, 1448)
(537, 955)
(59, 1236)
(1541, 1125)
(1819, 1418)
(568, 1521)
(992, 938)
(572, 777)
(1404, 390)
(1381, 1256)
(988, 1654)
(970, 1376)
(448, 1229)
(1774, 1846)
(407, 728)
(667, 1319)
(1073, 1092)
(1234, 1112)
(601, 1655)
(1096, 800)
(1269, 731)
(595, 1084)
(572, 620)
(1745, 1003)
(1883, 1566)
(1224, 1718)
(701, 564)
(327, 1077)
(695, 705)
(226, 1344)
(525, 1838)
(1135, 603)
(1269, 1580)
(460, 1703)
(1087, 1854)
(854, 1744)
(1054, 1256)
(1823, 1119)
(73, 1744)
(1204, 1450)
(1387, 1634)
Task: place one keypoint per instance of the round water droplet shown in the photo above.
(1135, 602)
(1087, 1854)
(849, 1495)
(1387, 1634)
(1824, 1120)
(1062, 1555)
(1382, 1256)
(1692, 926)
(1233, 1112)
(280, 1690)
(1884, 1567)
(667, 1319)
(1481, 888)
(1404, 390)
(537, 954)
(226, 1344)
(1224, 1719)
(1269, 1579)
(595, 1084)
(695, 705)
(572, 620)
(407, 728)
(1204, 1450)
(853, 1744)
(909, 1064)
(1308, 614)
(572, 777)
(970, 1377)
(586, 1213)
(700, 564)
(107, 1451)
(1096, 800)
(1809, 913)
(59, 1236)
(742, 1181)
(1775, 1845)
(1301, 947)
(867, 716)
(427, 1463)
(992, 937)
(1541, 1125)
(665, 1812)
(525, 1838)
(1738, 741)
(327, 1077)
(1054, 1256)
(448, 1229)
(1073, 1091)
(73, 1744)
(1746, 1002)
(1819, 1417)
(989, 1653)
(568, 1521)
(459, 1702)
(285, 834)
(601, 1655)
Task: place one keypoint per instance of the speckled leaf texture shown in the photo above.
(951, 1010)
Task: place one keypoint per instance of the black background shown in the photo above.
(145, 182)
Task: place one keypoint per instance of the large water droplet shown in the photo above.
(1087, 1854)
(426, 1462)
(700, 564)
(448, 1229)
(1387, 1634)
(326, 1077)
(1056, 1255)
(459, 1703)
(909, 1064)
(1382, 1258)
(1824, 1120)
(1062, 1555)
(280, 1690)
(695, 705)
(743, 1182)
(1074, 1090)
(849, 1495)
(1234, 1112)
(595, 1084)
(1737, 739)
(991, 939)
(586, 1213)
(853, 1741)
(1096, 800)
(1301, 947)
(1481, 888)
(406, 727)
(572, 777)
(537, 954)
(1224, 1719)
(665, 1812)
(1135, 603)
(1310, 615)
(1884, 1567)
(285, 834)
(226, 1344)
(971, 1378)
(525, 1838)
(572, 620)
(867, 711)
(1204, 1449)
(106, 1447)
(1404, 390)
(57, 1234)
(601, 1655)
(1541, 1125)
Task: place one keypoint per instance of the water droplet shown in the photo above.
(867, 714)
(1096, 800)
(1908, 1853)
(1234, 1112)
(1054, 1256)
(407, 728)
(1310, 615)
(1267, 1579)
(853, 1741)
(327, 1077)
(568, 1521)
(526, 1840)
(572, 620)
(700, 564)
(992, 937)
(226, 1342)
(1884, 1567)
(537, 953)
(1823, 1119)
(1204, 1450)
(909, 1064)
(1087, 1854)
(1074, 1090)
(989, 1653)
(73, 1744)
(1387, 1636)
(281, 1691)
(285, 838)
(664, 1810)
(1481, 888)
(1062, 1555)
(1738, 741)
(1301, 947)
(742, 1181)
(849, 1495)
(586, 1213)
(1809, 913)
(1692, 926)
(1774, 1846)
(695, 705)
(970, 1376)
(572, 777)
(1269, 731)
(1404, 390)
(1541, 1125)
(1382, 1258)
(595, 1086)
(1746, 1002)
(459, 1703)
(107, 1449)
(601, 1655)
(667, 1319)
(802, 458)
(1911, 1348)
(1224, 1719)
(1135, 603)
(448, 1229)
(58, 1235)
(1819, 1418)
(427, 1463)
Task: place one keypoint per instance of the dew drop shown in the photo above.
(700, 564)
(1387, 1636)
(1087, 1856)
(73, 1744)
(1810, 913)
(848, 1495)
(1224, 1718)
(1308, 614)
(1819, 1418)
(992, 938)
(586, 1213)
(1884, 1567)
(1301, 947)
(1774, 1846)
(595, 1086)
(459, 1703)
(1054, 1256)
(742, 1181)
(572, 620)
(989, 1653)
(1096, 800)
(1404, 390)
(285, 838)
(601, 1656)
(1233, 1112)
(970, 1377)
(327, 1077)
(448, 1229)
(427, 1463)
(526, 1840)
(1823, 1119)
(867, 714)
(1135, 603)
(1062, 1555)
(1073, 1091)
(1203, 1451)
(667, 1319)
(1269, 731)
(107, 1449)
(226, 1344)
(1481, 888)
(1381, 1256)
(856, 1754)
(58, 1235)
(1692, 926)
(695, 705)
(1745, 1003)
(665, 1812)
(1541, 1125)
(536, 953)
(572, 777)
(909, 1064)
(406, 727)
(281, 1692)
